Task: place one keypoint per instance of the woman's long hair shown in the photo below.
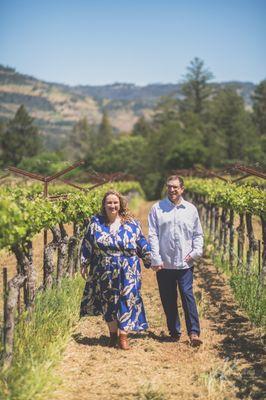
(124, 212)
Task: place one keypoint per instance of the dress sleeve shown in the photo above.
(86, 246)
(143, 248)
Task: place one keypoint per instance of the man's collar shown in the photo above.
(181, 204)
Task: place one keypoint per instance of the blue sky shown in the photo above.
(136, 41)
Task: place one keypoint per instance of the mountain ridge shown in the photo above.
(56, 107)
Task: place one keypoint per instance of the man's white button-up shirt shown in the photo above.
(174, 232)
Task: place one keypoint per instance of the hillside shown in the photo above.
(56, 107)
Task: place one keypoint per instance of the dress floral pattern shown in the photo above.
(113, 285)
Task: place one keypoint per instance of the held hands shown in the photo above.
(84, 272)
(156, 268)
(188, 258)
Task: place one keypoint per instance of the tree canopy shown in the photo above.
(20, 138)
(196, 88)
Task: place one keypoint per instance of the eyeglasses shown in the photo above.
(173, 187)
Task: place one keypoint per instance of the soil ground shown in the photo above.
(229, 364)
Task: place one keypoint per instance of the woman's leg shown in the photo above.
(113, 329)
(112, 326)
(123, 341)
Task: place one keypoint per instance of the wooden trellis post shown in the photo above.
(4, 302)
(252, 244)
(263, 266)
(11, 305)
(240, 240)
(231, 238)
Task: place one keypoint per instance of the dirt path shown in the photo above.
(229, 365)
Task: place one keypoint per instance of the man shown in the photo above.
(176, 239)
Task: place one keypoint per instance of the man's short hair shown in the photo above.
(174, 178)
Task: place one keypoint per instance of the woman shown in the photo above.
(111, 247)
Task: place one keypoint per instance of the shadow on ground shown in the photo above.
(103, 340)
(91, 341)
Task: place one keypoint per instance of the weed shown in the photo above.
(150, 393)
(215, 379)
(202, 303)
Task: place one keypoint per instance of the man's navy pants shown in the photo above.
(168, 279)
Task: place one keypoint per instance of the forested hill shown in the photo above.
(56, 107)
(129, 91)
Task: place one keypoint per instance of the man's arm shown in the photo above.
(197, 238)
(156, 260)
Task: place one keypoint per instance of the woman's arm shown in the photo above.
(143, 248)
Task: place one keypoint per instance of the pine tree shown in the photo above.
(20, 138)
(105, 132)
(232, 124)
(259, 107)
(141, 128)
(167, 110)
(81, 140)
(196, 89)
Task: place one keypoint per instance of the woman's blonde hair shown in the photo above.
(124, 212)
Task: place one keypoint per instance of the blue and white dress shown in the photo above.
(114, 281)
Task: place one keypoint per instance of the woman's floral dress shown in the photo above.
(114, 281)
